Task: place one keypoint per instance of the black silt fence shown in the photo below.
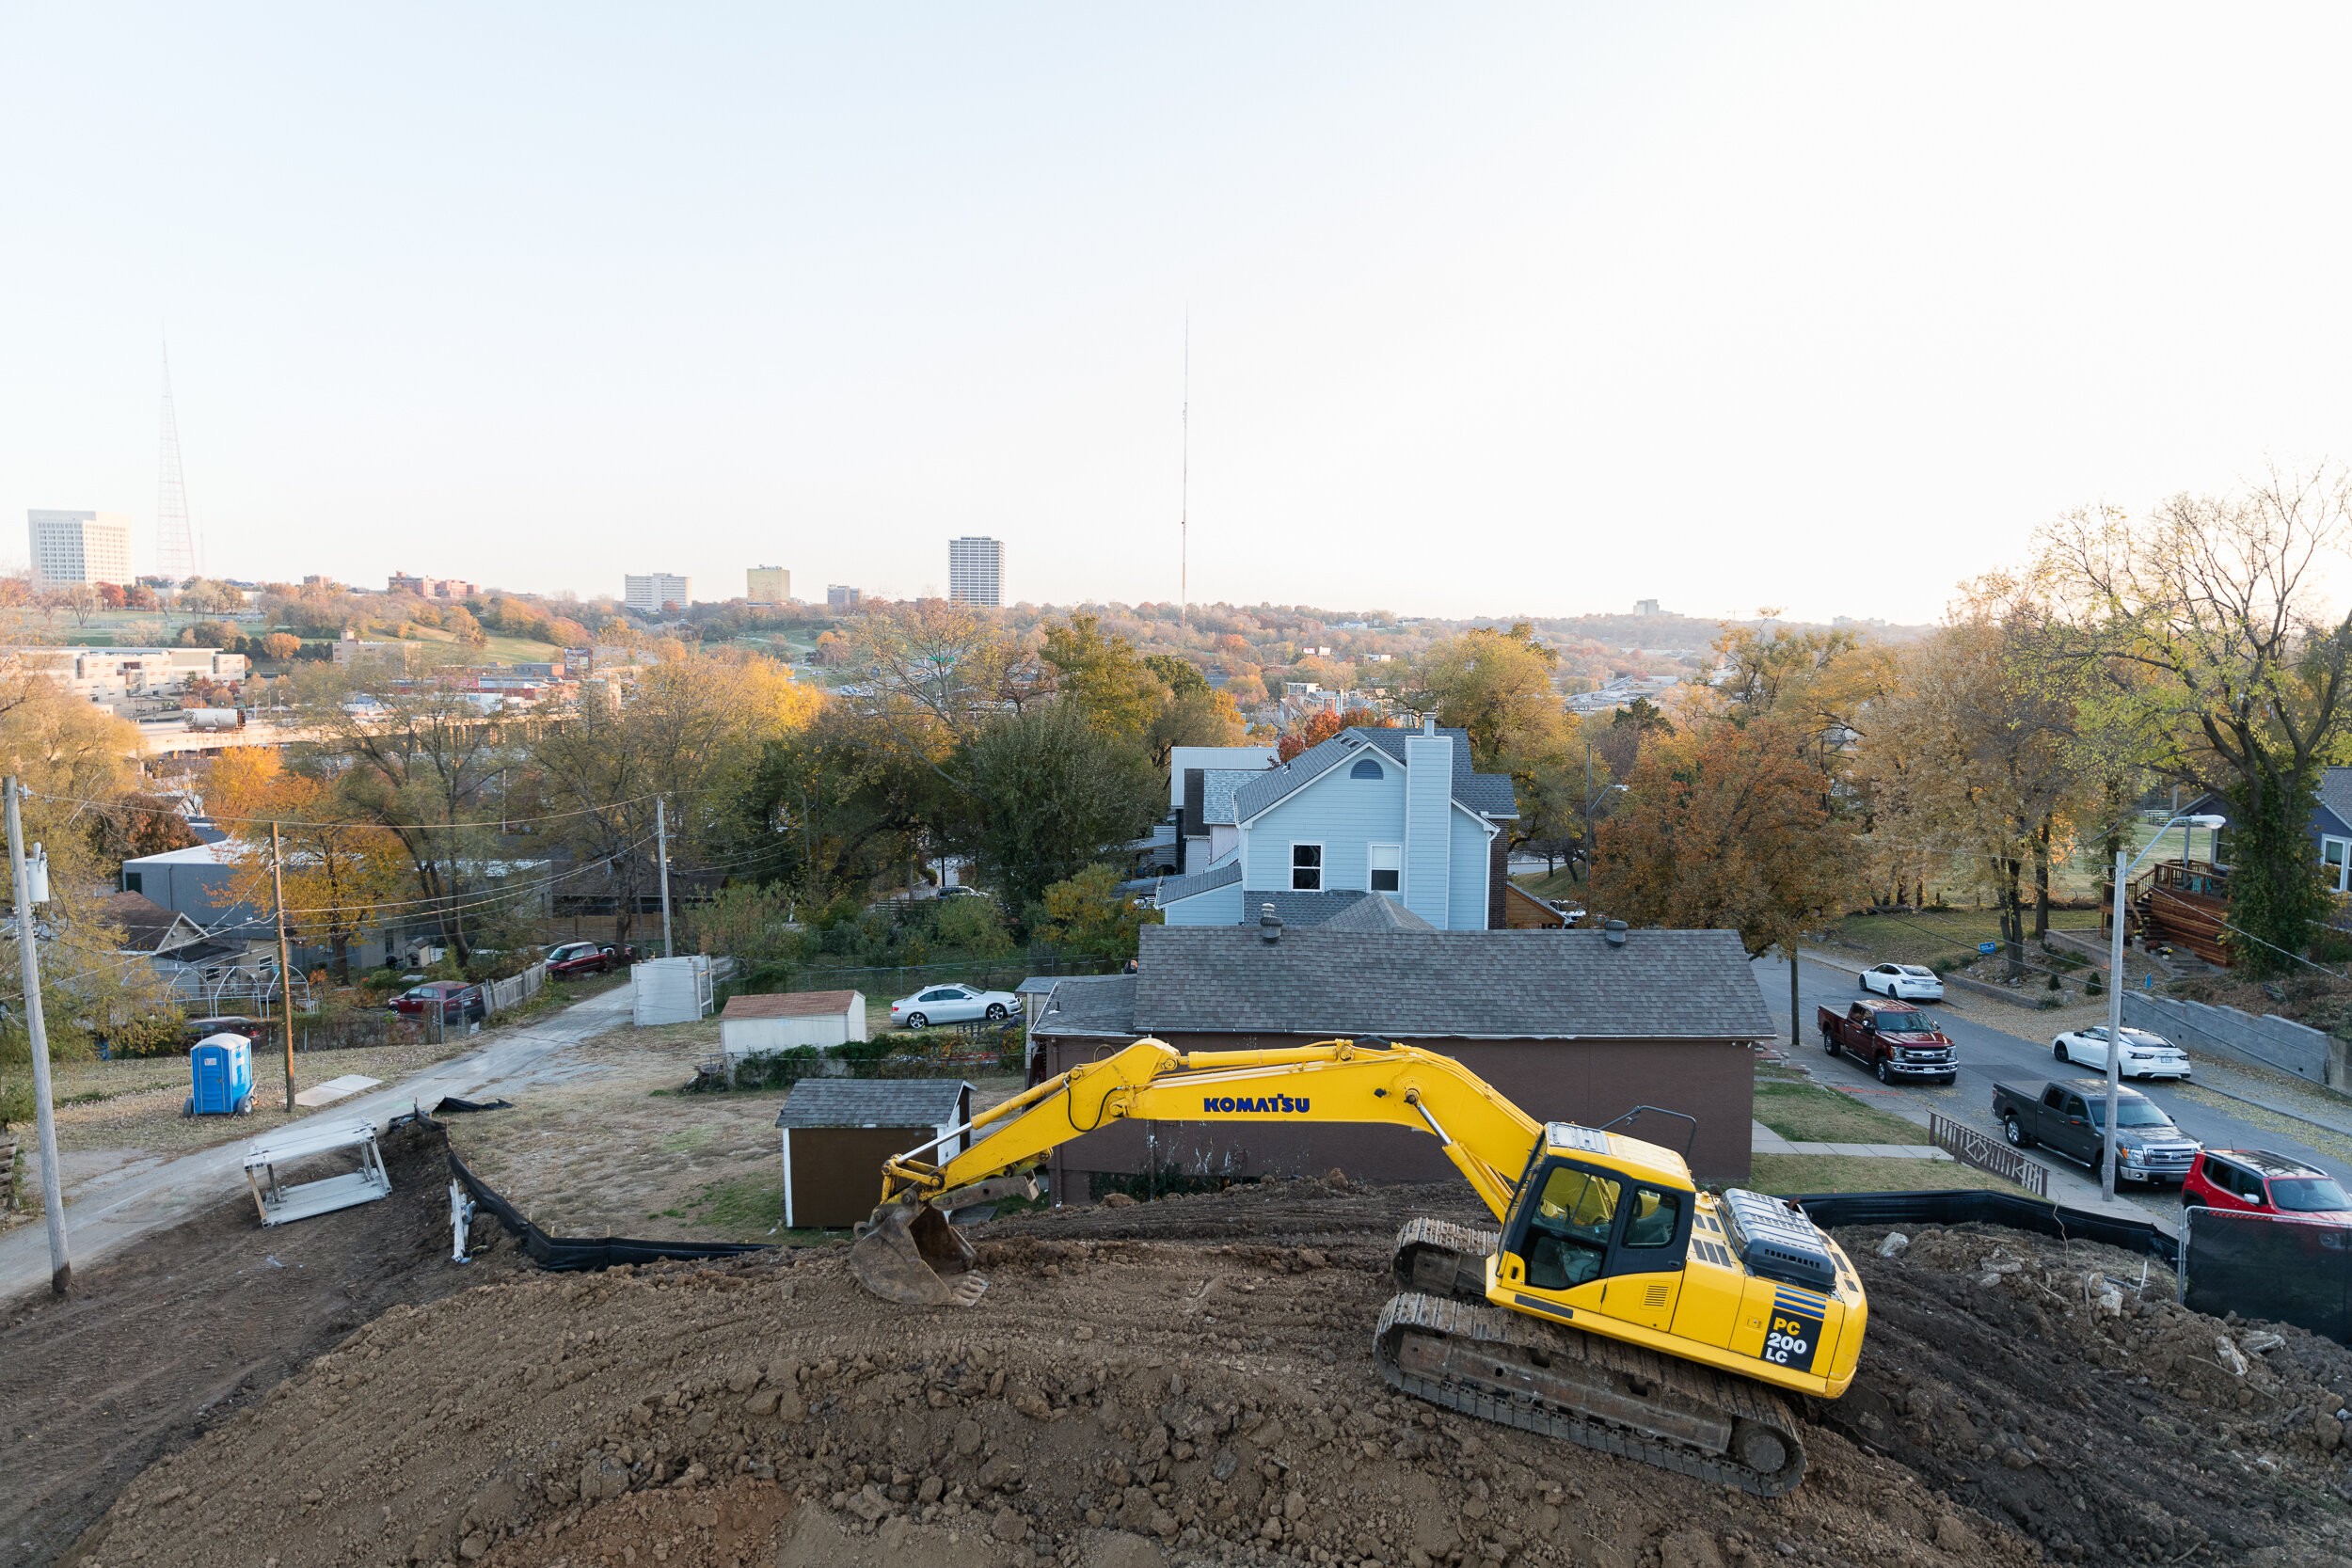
(1971, 1205)
(561, 1253)
(2286, 1271)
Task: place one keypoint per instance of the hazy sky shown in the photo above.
(1494, 309)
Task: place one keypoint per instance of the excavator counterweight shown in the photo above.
(1617, 1307)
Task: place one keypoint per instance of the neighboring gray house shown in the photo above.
(187, 880)
(1581, 1026)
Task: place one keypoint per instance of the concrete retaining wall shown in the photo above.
(2271, 1040)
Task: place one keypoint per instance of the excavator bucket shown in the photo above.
(910, 1256)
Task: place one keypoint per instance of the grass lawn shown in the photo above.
(1840, 1173)
(1803, 1113)
(1931, 936)
(1558, 884)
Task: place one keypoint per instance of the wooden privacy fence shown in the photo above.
(1987, 1153)
(497, 996)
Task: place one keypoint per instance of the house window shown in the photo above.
(1365, 768)
(1306, 868)
(1388, 868)
(2332, 855)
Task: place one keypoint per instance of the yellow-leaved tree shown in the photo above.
(340, 869)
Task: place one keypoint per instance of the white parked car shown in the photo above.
(2145, 1056)
(1904, 982)
(952, 1005)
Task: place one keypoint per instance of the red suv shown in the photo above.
(579, 958)
(2256, 1181)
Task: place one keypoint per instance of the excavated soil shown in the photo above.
(1191, 1381)
(175, 1334)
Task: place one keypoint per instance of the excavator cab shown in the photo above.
(1601, 1227)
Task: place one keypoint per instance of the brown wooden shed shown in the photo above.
(837, 1132)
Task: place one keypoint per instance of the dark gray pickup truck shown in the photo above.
(2066, 1117)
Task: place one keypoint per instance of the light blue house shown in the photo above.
(1388, 813)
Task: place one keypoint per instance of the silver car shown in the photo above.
(956, 1004)
(2145, 1056)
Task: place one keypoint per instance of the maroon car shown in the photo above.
(456, 1001)
(569, 959)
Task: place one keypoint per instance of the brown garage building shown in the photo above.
(1578, 1026)
(837, 1132)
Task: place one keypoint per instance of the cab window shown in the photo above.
(1567, 1235)
(1655, 1218)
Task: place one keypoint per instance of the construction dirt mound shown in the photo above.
(1192, 1381)
(175, 1333)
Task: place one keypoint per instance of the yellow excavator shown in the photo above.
(1619, 1307)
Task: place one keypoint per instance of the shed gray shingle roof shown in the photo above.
(1462, 985)
(1488, 794)
(1097, 1007)
(874, 1102)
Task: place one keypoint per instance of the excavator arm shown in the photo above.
(1489, 1139)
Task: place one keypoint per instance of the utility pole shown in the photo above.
(37, 1029)
(661, 839)
(285, 963)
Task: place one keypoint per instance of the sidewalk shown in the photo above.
(110, 1211)
(1770, 1142)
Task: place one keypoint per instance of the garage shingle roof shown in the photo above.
(1459, 985)
(1096, 1007)
(874, 1102)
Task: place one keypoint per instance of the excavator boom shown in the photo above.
(1615, 1304)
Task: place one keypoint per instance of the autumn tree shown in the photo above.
(1322, 724)
(1497, 686)
(338, 869)
(1051, 795)
(2217, 602)
(1724, 827)
(1085, 915)
(1105, 677)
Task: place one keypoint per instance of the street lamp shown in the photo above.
(2115, 996)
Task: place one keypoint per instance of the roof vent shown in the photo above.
(1270, 923)
(1613, 933)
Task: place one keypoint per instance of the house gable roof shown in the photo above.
(1171, 889)
(1485, 795)
(1450, 984)
(148, 927)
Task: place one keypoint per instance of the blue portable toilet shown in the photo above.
(222, 1066)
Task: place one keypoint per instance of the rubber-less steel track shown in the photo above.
(1601, 1393)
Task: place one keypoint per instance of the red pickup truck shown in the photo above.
(1894, 1037)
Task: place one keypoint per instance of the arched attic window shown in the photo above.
(1365, 768)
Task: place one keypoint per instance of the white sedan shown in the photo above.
(952, 1005)
(2145, 1056)
(1905, 982)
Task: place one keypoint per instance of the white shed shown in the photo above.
(779, 1022)
(672, 990)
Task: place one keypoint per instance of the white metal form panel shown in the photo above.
(280, 1203)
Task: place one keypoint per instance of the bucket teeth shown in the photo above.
(906, 1254)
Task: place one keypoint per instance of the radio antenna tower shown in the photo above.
(1183, 492)
(175, 541)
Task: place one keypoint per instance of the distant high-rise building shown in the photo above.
(649, 593)
(80, 547)
(1646, 607)
(976, 570)
(768, 585)
(837, 597)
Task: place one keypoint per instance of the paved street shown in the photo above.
(1987, 1053)
(120, 1207)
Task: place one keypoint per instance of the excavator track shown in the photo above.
(1448, 1346)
